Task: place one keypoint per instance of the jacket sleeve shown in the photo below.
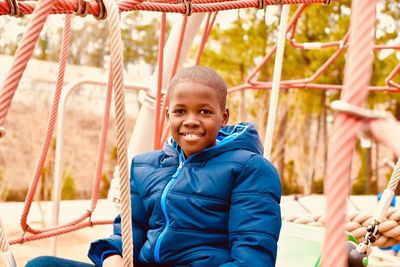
(255, 217)
(102, 248)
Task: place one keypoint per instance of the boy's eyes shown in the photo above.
(179, 111)
(201, 111)
(205, 111)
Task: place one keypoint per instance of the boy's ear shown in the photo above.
(225, 117)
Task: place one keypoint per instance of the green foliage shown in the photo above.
(105, 185)
(318, 186)
(46, 183)
(114, 154)
(360, 186)
(68, 190)
(17, 194)
(3, 186)
(289, 180)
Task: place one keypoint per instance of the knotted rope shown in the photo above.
(357, 223)
(276, 80)
(358, 71)
(116, 48)
(23, 54)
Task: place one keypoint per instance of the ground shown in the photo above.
(75, 245)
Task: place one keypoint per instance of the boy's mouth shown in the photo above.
(191, 136)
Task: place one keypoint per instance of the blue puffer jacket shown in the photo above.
(219, 207)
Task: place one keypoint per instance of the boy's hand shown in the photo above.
(113, 261)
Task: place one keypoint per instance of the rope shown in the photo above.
(177, 59)
(358, 72)
(103, 140)
(51, 125)
(198, 6)
(394, 179)
(6, 254)
(357, 223)
(206, 33)
(60, 231)
(158, 114)
(49, 132)
(274, 99)
(23, 54)
(4, 245)
(116, 48)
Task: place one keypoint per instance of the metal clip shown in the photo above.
(102, 11)
(83, 8)
(370, 237)
(188, 7)
(261, 4)
(14, 8)
(359, 112)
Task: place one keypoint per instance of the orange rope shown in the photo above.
(50, 128)
(206, 33)
(173, 71)
(358, 71)
(198, 6)
(103, 141)
(31, 237)
(23, 54)
(157, 114)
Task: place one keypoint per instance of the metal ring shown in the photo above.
(83, 8)
(261, 4)
(188, 7)
(102, 11)
(14, 8)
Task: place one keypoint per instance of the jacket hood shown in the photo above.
(242, 136)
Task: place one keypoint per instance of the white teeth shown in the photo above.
(191, 137)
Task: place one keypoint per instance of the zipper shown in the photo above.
(164, 209)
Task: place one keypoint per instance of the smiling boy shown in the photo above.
(208, 198)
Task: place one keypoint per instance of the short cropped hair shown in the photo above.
(201, 75)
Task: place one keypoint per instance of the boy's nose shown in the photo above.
(191, 120)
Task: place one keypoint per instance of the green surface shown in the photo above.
(299, 245)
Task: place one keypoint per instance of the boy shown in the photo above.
(208, 198)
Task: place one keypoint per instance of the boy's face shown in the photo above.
(195, 116)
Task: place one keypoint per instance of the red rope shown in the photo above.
(206, 33)
(358, 71)
(389, 80)
(160, 137)
(30, 237)
(158, 115)
(307, 83)
(70, 6)
(103, 140)
(51, 123)
(23, 54)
